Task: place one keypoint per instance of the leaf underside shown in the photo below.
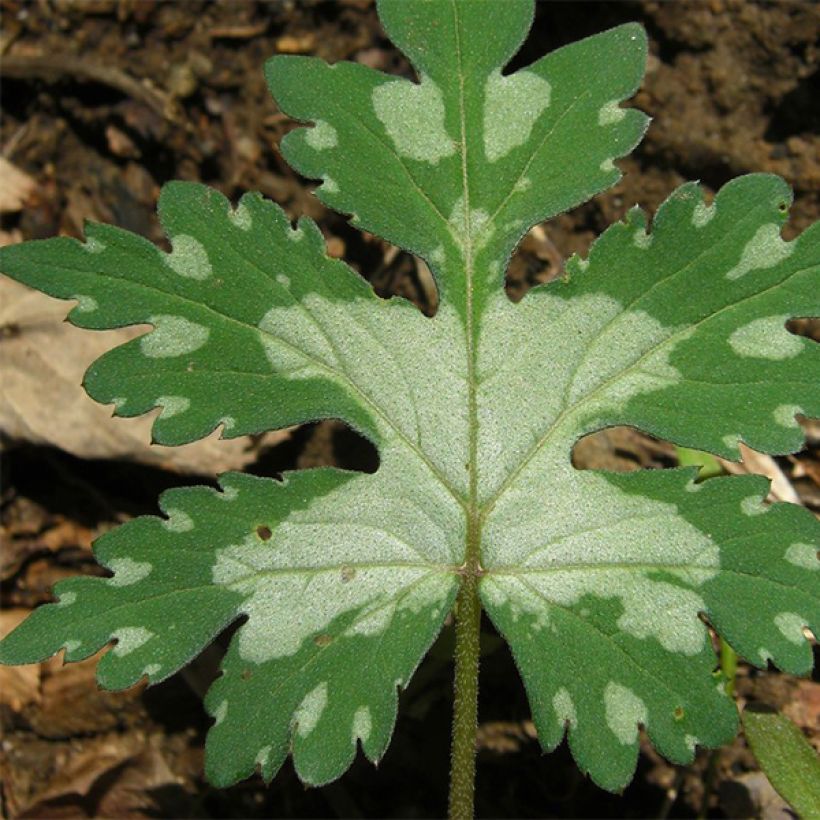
(597, 580)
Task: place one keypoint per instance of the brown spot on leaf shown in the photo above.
(264, 533)
(348, 574)
(323, 640)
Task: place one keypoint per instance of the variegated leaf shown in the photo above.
(598, 581)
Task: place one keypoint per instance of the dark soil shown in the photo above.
(102, 103)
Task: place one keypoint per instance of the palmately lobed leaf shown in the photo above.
(598, 581)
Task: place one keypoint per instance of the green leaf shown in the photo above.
(342, 586)
(596, 580)
(458, 166)
(786, 758)
(219, 353)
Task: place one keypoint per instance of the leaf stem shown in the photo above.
(728, 665)
(465, 706)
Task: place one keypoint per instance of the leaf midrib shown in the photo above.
(472, 543)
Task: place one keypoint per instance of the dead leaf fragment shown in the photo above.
(42, 362)
(16, 187)
(19, 685)
(120, 144)
(11, 237)
(296, 44)
(762, 464)
(505, 736)
(751, 795)
(112, 775)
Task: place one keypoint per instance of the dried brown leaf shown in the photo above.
(42, 361)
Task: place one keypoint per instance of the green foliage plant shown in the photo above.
(787, 759)
(599, 582)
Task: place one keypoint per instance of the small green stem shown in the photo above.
(465, 707)
(709, 465)
(728, 665)
(709, 468)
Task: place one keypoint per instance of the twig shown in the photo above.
(52, 67)
(14, 140)
(238, 32)
(672, 794)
